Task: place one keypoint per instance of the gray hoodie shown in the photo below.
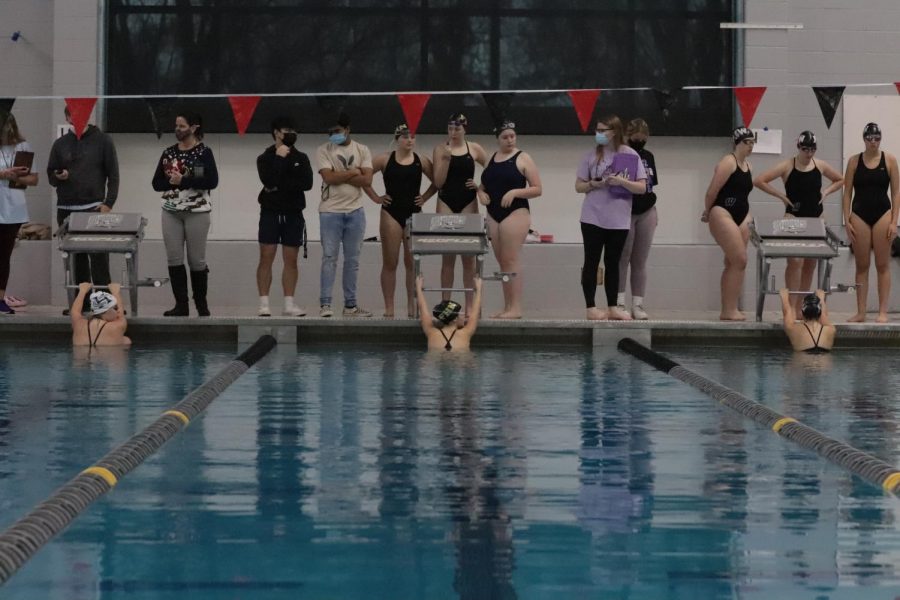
(93, 170)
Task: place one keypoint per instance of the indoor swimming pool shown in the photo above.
(356, 473)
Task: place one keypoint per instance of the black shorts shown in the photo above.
(281, 228)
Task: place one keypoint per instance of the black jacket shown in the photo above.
(93, 168)
(284, 180)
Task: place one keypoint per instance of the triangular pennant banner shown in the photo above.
(498, 105)
(584, 102)
(413, 106)
(829, 98)
(748, 99)
(159, 113)
(897, 85)
(243, 108)
(665, 99)
(80, 111)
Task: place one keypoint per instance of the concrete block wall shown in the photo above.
(60, 54)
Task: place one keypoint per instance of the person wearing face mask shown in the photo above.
(286, 174)
(346, 169)
(643, 225)
(402, 171)
(185, 174)
(454, 175)
(13, 206)
(803, 196)
(606, 216)
(508, 181)
(871, 217)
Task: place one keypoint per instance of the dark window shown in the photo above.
(334, 46)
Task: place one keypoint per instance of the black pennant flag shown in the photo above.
(160, 113)
(666, 100)
(829, 98)
(498, 105)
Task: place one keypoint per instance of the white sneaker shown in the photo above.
(356, 312)
(264, 311)
(293, 311)
(325, 310)
(638, 312)
(622, 308)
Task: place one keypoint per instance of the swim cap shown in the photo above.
(446, 311)
(807, 139)
(402, 130)
(742, 133)
(812, 307)
(458, 119)
(871, 129)
(503, 126)
(101, 302)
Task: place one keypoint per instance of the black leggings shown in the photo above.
(7, 243)
(595, 238)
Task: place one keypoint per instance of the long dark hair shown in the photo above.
(8, 122)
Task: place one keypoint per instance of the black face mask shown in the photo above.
(637, 144)
(289, 139)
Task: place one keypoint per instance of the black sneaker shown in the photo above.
(5, 309)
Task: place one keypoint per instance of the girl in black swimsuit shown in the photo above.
(454, 175)
(402, 171)
(872, 222)
(726, 209)
(803, 196)
(508, 181)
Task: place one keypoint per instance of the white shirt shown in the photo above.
(13, 207)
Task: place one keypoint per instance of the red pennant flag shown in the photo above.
(243, 108)
(80, 111)
(584, 102)
(748, 99)
(413, 106)
(897, 85)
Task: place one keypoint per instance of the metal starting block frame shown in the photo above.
(433, 234)
(105, 233)
(793, 238)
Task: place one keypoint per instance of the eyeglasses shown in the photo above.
(603, 129)
(872, 138)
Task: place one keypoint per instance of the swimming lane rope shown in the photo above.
(866, 466)
(26, 536)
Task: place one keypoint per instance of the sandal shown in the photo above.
(14, 302)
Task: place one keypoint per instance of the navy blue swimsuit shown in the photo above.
(499, 178)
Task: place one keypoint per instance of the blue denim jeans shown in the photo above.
(336, 229)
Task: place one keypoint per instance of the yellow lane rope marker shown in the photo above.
(781, 423)
(103, 473)
(181, 416)
(891, 482)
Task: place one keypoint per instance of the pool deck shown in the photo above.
(240, 324)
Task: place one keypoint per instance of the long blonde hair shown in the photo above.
(637, 126)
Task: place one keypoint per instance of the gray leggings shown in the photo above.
(185, 228)
(636, 251)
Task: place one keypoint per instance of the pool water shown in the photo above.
(338, 473)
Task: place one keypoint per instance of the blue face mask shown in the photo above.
(601, 138)
(337, 138)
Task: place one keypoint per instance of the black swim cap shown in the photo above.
(812, 307)
(445, 311)
(871, 129)
(742, 133)
(807, 139)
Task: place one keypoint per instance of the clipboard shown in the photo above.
(22, 159)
